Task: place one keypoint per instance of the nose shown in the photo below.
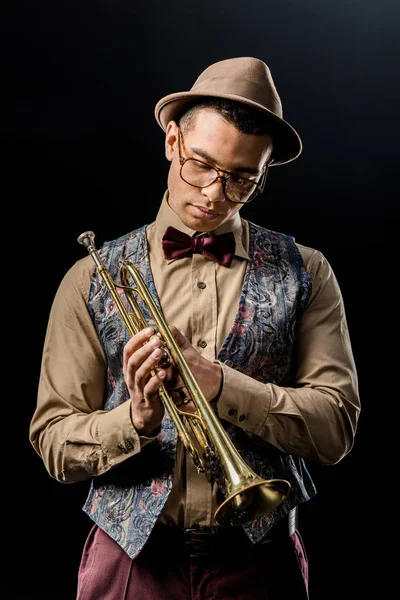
(215, 191)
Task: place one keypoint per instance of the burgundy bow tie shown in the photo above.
(220, 248)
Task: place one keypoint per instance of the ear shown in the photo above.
(171, 139)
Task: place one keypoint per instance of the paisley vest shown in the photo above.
(126, 501)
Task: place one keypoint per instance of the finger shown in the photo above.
(135, 355)
(188, 407)
(152, 386)
(141, 373)
(140, 338)
(179, 395)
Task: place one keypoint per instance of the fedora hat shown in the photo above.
(244, 79)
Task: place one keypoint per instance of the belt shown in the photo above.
(201, 541)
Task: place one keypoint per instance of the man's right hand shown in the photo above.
(140, 358)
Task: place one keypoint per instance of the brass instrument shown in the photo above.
(248, 496)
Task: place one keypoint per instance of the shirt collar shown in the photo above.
(167, 217)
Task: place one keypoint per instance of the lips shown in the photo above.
(207, 214)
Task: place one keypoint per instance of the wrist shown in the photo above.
(143, 427)
(219, 380)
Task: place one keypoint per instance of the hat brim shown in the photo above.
(286, 140)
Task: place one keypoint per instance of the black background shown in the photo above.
(82, 150)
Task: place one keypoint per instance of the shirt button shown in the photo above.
(202, 344)
(123, 449)
(128, 445)
(201, 285)
(242, 418)
(232, 412)
(228, 363)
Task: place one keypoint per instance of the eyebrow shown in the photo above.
(212, 160)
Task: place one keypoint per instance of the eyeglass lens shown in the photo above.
(200, 174)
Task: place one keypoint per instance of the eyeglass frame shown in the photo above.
(259, 184)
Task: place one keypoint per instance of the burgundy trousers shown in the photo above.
(218, 564)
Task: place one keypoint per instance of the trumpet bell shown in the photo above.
(251, 502)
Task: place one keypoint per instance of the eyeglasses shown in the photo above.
(201, 174)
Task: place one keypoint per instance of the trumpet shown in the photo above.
(248, 496)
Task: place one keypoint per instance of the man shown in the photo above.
(261, 324)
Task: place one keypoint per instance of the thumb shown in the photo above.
(180, 339)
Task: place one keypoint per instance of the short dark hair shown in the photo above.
(245, 118)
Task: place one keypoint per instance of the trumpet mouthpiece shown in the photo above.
(86, 239)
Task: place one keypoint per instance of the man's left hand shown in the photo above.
(207, 374)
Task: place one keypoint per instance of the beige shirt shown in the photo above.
(315, 419)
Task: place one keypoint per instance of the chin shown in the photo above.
(203, 225)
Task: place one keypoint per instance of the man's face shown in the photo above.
(214, 140)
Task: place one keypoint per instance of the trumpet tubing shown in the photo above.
(248, 496)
